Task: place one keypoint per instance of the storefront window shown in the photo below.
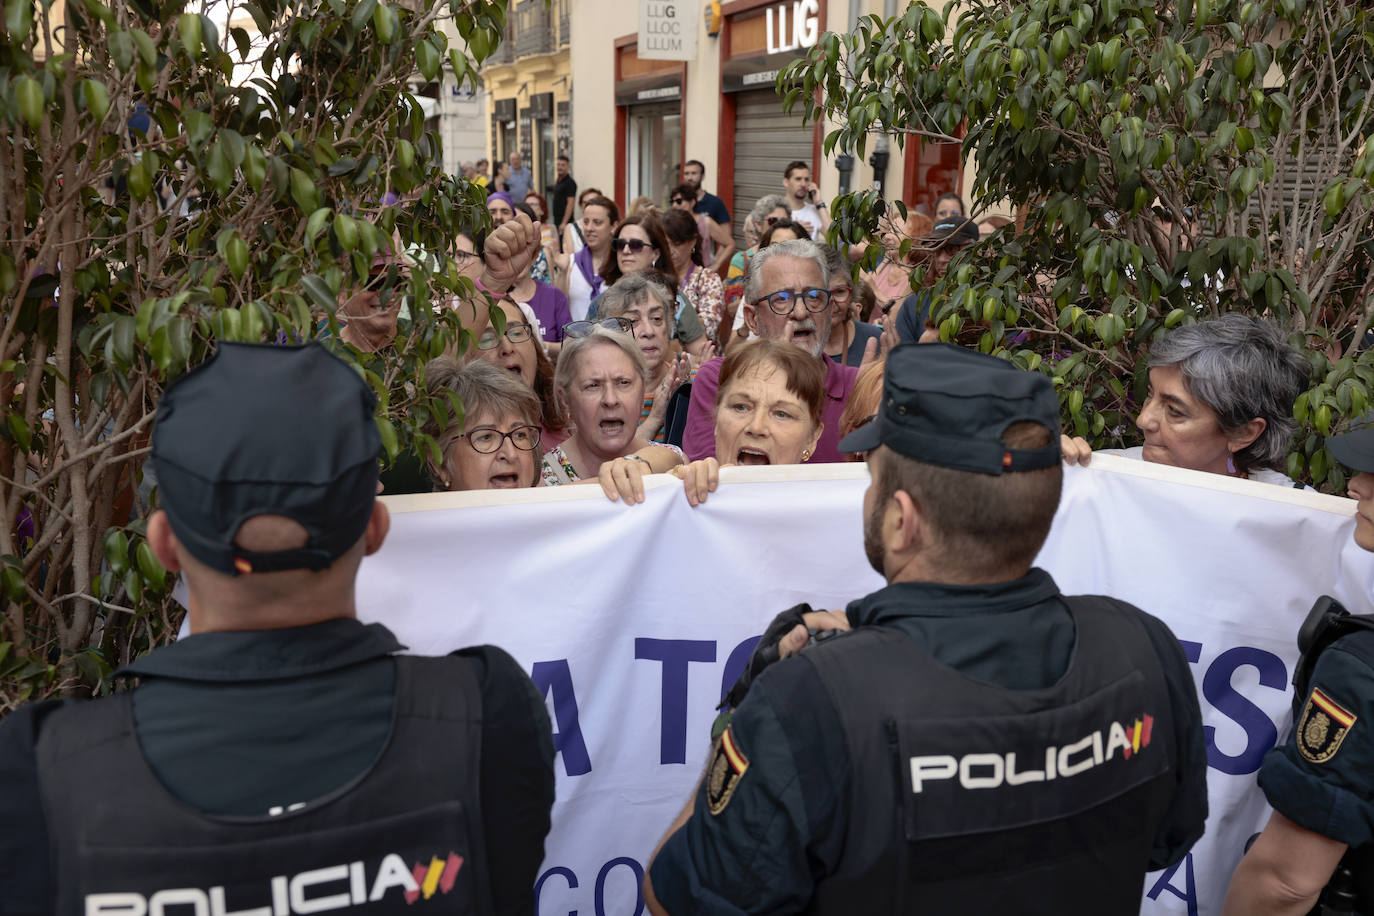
(548, 154)
(655, 144)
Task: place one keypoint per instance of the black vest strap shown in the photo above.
(1024, 800)
(407, 830)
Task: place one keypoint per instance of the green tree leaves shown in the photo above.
(1159, 172)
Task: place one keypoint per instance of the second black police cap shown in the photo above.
(267, 430)
(1355, 447)
(948, 406)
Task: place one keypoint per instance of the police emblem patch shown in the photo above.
(723, 775)
(1322, 728)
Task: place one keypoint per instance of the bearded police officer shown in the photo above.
(1320, 781)
(283, 758)
(977, 742)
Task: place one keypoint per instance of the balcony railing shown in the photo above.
(505, 51)
(533, 29)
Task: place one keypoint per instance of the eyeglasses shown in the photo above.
(488, 439)
(635, 245)
(774, 220)
(517, 332)
(584, 328)
(784, 301)
(842, 295)
(679, 200)
(463, 256)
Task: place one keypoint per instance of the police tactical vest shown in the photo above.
(404, 837)
(970, 798)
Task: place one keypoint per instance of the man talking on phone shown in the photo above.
(804, 198)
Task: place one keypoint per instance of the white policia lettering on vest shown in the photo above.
(991, 770)
(301, 893)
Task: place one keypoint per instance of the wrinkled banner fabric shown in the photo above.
(633, 620)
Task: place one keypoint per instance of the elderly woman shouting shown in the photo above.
(599, 383)
(768, 411)
(495, 444)
(1221, 400)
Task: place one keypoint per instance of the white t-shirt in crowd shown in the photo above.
(809, 214)
(1264, 475)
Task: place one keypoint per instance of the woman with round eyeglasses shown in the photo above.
(641, 245)
(599, 382)
(520, 353)
(645, 306)
(496, 445)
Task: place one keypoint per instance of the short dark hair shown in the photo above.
(698, 163)
(788, 223)
(683, 190)
(793, 166)
(983, 524)
(563, 157)
(804, 373)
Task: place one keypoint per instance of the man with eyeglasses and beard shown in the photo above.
(969, 740)
(786, 297)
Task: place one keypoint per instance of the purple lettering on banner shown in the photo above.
(676, 655)
(1191, 650)
(1189, 893)
(567, 740)
(1260, 732)
(599, 901)
(556, 870)
(734, 665)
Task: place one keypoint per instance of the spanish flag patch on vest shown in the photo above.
(1322, 728)
(723, 775)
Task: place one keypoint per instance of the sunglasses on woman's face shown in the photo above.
(773, 220)
(679, 200)
(583, 328)
(635, 246)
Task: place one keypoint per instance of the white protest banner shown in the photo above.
(632, 621)
(667, 30)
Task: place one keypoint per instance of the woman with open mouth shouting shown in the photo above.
(495, 446)
(768, 411)
(599, 382)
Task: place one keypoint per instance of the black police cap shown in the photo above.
(1355, 447)
(267, 430)
(948, 406)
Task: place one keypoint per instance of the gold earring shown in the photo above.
(806, 454)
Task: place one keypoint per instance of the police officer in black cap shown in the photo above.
(283, 758)
(977, 742)
(1320, 780)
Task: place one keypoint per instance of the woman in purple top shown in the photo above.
(550, 306)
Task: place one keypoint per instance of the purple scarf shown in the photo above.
(584, 262)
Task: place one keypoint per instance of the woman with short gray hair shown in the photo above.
(1221, 400)
(599, 383)
(645, 301)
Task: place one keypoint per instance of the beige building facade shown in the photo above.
(528, 82)
(634, 121)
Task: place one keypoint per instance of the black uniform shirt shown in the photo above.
(1322, 776)
(781, 829)
(244, 722)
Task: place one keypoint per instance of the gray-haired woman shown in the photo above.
(496, 444)
(599, 383)
(1221, 400)
(645, 301)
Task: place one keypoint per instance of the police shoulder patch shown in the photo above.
(727, 768)
(1322, 727)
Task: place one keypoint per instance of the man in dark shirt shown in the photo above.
(562, 196)
(283, 740)
(693, 171)
(976, 740)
